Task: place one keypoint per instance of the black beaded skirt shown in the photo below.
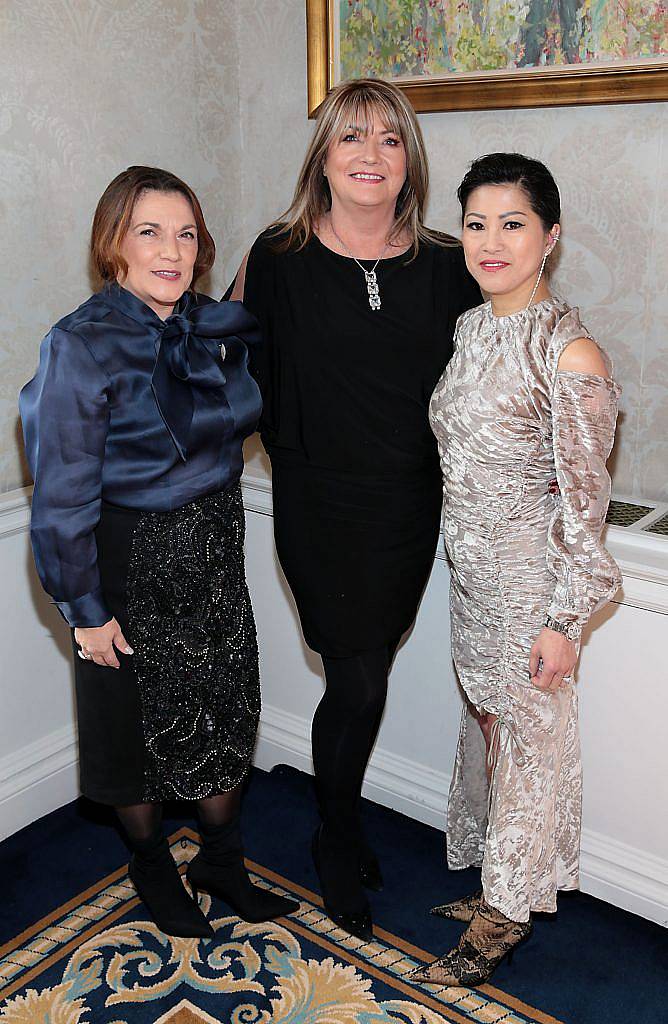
(179, 718)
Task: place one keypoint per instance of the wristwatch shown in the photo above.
(571, 630)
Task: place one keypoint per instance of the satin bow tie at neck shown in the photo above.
(191, 354)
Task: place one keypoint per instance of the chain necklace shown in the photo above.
(370, 275)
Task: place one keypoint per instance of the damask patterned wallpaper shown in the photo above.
(215, 91)
(88, 87)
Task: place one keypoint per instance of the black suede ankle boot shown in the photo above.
(156, 878)
(219, 869)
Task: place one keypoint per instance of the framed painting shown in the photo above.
(491, 54)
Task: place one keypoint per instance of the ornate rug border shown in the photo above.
(462, 1006)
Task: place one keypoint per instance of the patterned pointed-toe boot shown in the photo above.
(489, 938)
(459, 910)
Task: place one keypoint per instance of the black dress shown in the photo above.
(356, 476)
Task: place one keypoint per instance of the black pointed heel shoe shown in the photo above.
(357, 922)
(219, 869)
(232, 885)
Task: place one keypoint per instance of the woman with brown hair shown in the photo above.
(133, 427)
(357, 301)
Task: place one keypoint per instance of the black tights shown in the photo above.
(344, 730)
(141, 822)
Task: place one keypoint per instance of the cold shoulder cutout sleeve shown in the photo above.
(584, 414)
(64, 410)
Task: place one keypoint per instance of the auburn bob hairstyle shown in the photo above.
(357, 104)
(113, 218)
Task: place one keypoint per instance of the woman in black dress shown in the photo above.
(357, 302)
(133, 426)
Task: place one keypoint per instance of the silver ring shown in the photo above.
(84, 654)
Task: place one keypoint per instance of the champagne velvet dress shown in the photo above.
(508, 422)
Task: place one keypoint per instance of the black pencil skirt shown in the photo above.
(179, 718)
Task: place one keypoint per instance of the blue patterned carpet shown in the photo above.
(97, 958)
(78, 949)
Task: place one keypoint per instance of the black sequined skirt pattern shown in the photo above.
(181, 720)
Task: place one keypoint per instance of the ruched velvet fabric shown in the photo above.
(508, 422)
(142, 413)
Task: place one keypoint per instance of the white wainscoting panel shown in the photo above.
(621, 685)
(36, 779)
(612, 871)
(38, 762)
(625, 757)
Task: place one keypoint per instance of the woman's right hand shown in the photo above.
(97, 643)
(552, 660)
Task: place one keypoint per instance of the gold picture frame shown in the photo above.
(565, 85)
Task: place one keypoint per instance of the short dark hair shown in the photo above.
(530, 175)
(114, 214)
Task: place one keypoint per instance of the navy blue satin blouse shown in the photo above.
(144, 413)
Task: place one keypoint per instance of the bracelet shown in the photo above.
(570, 630)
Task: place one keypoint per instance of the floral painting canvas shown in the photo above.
(418, 39)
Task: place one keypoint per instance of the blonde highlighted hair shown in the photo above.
(358, 103)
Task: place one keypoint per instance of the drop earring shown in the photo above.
(540, 274)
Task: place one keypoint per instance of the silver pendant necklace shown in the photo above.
(370, 275)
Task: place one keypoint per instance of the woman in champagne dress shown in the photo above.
(527, 398)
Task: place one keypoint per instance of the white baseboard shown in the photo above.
(624, 876)
(406, 786)
(612, 871)
(37, 779)
(391, 780)
(283, 738)
(43, 776)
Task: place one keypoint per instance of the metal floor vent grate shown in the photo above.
(622, 513)
(637, 519)
(660, 526)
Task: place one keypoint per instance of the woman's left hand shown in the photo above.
(97, 643)
(552, 659)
